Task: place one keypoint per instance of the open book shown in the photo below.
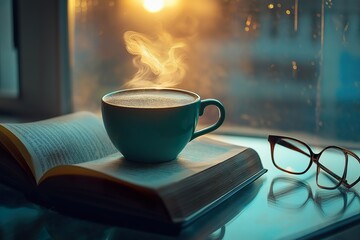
(69, 163)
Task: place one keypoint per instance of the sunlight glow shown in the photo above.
(154, 5)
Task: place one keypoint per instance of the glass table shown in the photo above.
(276, 206)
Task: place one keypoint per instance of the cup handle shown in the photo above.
(203, 105)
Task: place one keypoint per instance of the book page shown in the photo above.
(65, 140)
(196, 157)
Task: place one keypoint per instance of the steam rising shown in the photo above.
(160, 61)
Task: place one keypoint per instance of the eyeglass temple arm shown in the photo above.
(343, 181)
(332, 174)
(291, 146)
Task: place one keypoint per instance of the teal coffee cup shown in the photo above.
(154, 125)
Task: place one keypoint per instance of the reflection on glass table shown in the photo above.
(290, 193)
(42, 223)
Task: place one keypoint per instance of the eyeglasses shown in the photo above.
(296, 157)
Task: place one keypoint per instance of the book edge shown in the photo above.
(188, 217)
(221, 199)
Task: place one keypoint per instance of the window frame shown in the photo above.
(42, 41)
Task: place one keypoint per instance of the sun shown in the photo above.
(154, 5)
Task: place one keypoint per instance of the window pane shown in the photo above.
(8, 52)
(276, 65)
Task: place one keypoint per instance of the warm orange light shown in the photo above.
(154, 5)
(271, 6)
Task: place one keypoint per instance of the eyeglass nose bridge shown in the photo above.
(315, 157)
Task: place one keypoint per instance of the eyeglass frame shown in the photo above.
(314, 157)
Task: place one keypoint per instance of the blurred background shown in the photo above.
(284, 66)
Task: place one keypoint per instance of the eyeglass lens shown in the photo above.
(291, 156)
(352, 174)
(331, 167)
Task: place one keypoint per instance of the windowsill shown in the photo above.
(311, 139)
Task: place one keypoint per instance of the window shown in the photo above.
(276, 65)
(8, 54)
(34, 64)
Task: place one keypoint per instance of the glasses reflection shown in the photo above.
(293, 194)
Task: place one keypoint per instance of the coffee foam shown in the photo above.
(150, 98)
